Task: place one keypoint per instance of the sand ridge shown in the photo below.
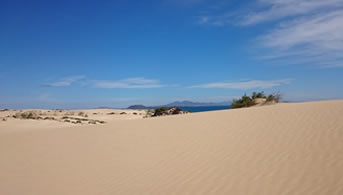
(293, 148)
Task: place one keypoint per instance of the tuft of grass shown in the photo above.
(92, 122)
(49, 118)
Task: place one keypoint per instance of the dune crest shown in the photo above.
(293, 148)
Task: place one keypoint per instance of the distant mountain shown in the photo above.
(197, 104)
(137, 107)
(182, 104)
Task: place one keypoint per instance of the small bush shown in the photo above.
(159, 111)
(176, 110)
(244, 101)
(258, 95)
(274, 97)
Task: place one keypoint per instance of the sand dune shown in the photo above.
(281, 149)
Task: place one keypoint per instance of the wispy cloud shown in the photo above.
(64, 81)
(245, 85)
(299, 31)
(130, 83)
(317, 40)
(271, 10)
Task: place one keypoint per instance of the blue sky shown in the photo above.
(84, 54)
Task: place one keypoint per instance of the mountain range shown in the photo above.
(184, 104)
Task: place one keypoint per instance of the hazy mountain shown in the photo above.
(137, 107)
(183, 104)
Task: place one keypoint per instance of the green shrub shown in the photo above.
(159, 111)
(177, 110)
(244, 101)
(274, 97)
(258, 95)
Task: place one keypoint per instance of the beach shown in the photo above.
(286, 148)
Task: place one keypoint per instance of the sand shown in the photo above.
(293, 148)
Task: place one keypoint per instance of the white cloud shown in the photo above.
(278, 9)
(317, 39)
(64, 81)
(299, 31)
(245, 85)
(130, 83)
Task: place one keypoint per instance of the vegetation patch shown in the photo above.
(248, 101)
(49, 118)
(162, 111)
(76, 120)
(27, 115)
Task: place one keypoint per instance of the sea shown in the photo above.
(205, 108)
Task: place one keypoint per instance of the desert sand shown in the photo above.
(288, 148)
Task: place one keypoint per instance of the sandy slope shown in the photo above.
(282, 149)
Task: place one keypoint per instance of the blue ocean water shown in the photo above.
(205, 108)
